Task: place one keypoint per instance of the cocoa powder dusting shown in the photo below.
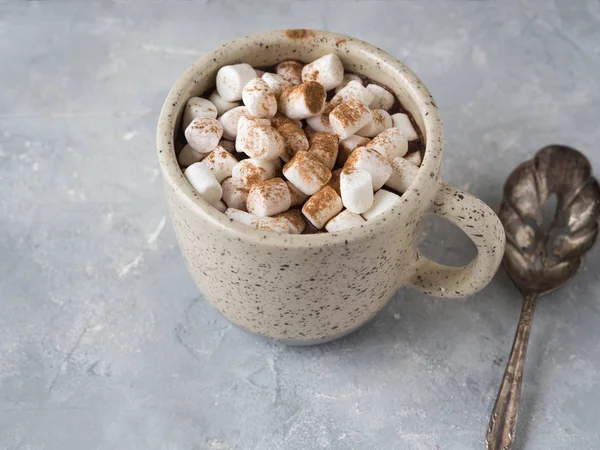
(349, 112)
(299, 34)
(323, 199)
(314, 95)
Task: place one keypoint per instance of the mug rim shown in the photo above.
(173, 175)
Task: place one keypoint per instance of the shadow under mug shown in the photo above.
(305, 289)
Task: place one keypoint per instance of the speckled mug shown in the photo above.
(304, 289)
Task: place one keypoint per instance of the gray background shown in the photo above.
(104, 341)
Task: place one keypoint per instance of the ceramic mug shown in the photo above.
(304, 289)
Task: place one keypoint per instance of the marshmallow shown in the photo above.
(275, 224)
(220, 206)
(291, 71)
(197, 107)
(343, 221)
(328, 70)
(302, 101)
(245, 122)
(390, 143)
(268, 198)
(233, 195)
(259, 99)
(415, 158)
(357, 190)
(294, 139)
(188, 156)
(309, 131)
(382, 201)
(230, 120)
(322, 206)
(320, 122)
(249, 172)
(403, 174)
(298, 197)
(221, 104)
(242, 217)
(380, 121)
(324, 147)
(403, 123)
(276, 83)
(294, 220)
(306, 172)
(334, 181)
(279, 119)
(348, 77)
(382, 98)
(204, 182)
(227, 145)
(349, 117)
(348, 145)
(232, 79)
(260, 142)
(203, 134)
(220, 162)
(371, 161)
(353, 90)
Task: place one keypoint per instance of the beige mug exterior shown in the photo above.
(304, 289)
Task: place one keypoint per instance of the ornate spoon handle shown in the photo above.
(501, 431)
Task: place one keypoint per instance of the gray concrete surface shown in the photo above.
(104, 341)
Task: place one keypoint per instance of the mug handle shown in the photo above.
(483, 227)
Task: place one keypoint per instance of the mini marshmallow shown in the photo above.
(268, 198)
(348, 145)
(380, 121)
(242, 217)
(322, 206)
(298, 197)
(403, 123)
(233, 195)
(403, 174)
(349, 117)
(324, 147)
(348, 77)
(343, 221)
(357, 190)
(307, 173)
(275, 224)
(353, 90)
(279, 119)
(328, 70)
(220, 206)
(291, 71)
(259, 99)
(367, 159)
(249, 172)
(302, 101)
(221, 104)
(334, 181)
(415, 158)
(197, 107)
(188, 156)
(390, 143)
(276, 83)
(227, 145)
(320, 122)
(294, 139)
(232, 79)
(204, 182)
(382, 98)
(220, 162)
(203, 134)
(230, 120)
(294, 220)
(382, 201)
(260, 142)
(247, 121)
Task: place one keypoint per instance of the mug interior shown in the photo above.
(267, 49)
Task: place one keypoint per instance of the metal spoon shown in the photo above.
(540, 261)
